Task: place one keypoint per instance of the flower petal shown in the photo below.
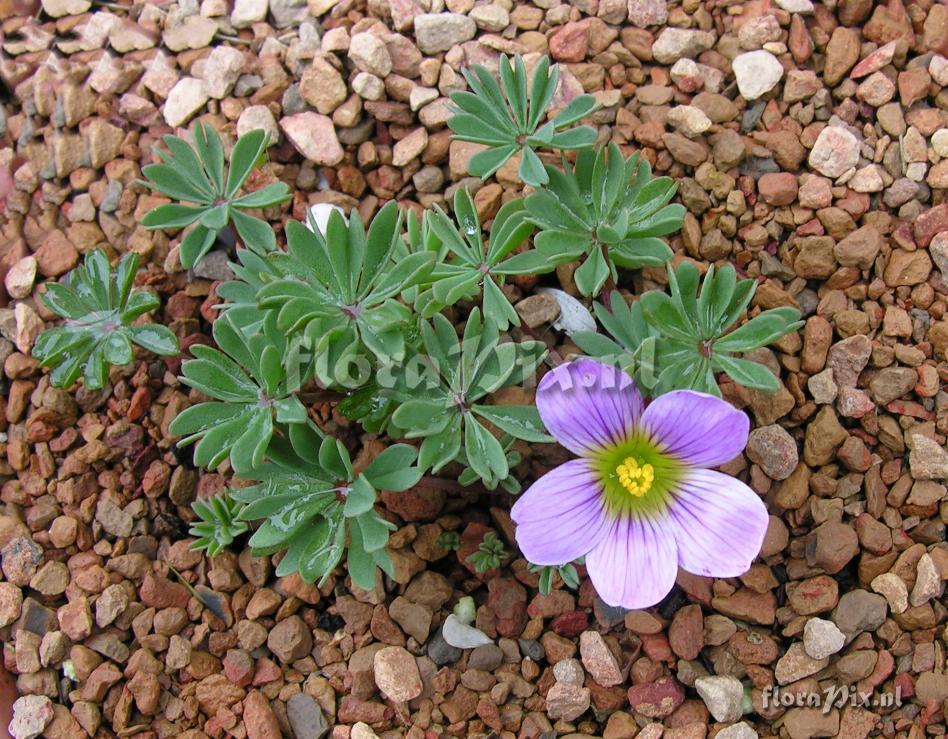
(635, 564)
(719, 524)
(699, 429)
(587, 405)
(560, 517)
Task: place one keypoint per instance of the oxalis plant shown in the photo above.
(407, 322)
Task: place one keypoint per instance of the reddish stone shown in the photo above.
(929, 223)
(507, 598)
(777, 188)
(570, 624)
(686, 634)
(238, 666)
(875, 61)
(259, 719)
(570, 43)
(657, 648)
(606, 699)
(903, 683)
(159, 592)
(416, 504)
(657, 699)
(352, 710)
(266, 671)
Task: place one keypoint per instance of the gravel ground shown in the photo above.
(810, 143)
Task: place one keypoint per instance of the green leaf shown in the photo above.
(374, 530)
(761, 330)
(484, 453)
(273, 194)
(172, 183)
(155, 338)
(575, 138)
(747, 373)
(521, 421)
(393, 470)
(172, 216)
(485, 163)
(361, 564)
(577, 109)
(211, 151)
(256, 234)
(195, 244)
(531, 170)
(360, 497)
(592, 273)
(244, 158)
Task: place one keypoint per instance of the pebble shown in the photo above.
(928, 460)
(822, 638)
(11, 601)
(893, 589)
(314, 136)
(306, 718)
(645, 13)
(742, 730)
(723, 695)
(795, 6)
(221, 71)
(369, 54)
(31, 715)
(656, 699)
(186, 98)
(567, 702)
(835, 152)
(20, 277)
(928, 582)
(461, 635)
(396, 674)
(796, 664)
(774, 450)
(688, 119)
(248, 12)
(442, 653)
(573, 316)
(436, 32)
(757, 73)
(599, 660)
(290, 639)
(822, 387)
(858, 611)
(259, 719)
(673, 44)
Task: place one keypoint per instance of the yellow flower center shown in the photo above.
(635, 478)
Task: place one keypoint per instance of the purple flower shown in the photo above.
(639, 502)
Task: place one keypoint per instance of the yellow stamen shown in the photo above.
(635, 478)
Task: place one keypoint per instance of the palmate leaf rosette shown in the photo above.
(218, 525)
(695, 344)
(207, 191)
(506, 116)
(99, 309)
(447, 410)
(633, 343)
(253, 382)
(479, 269)
(606, 210)
(312, 503)
(340, 291)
